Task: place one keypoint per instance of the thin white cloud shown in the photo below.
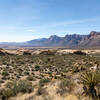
(50, 25)
(69, 22)
(31, 30)
(79, 21)
(56, 27)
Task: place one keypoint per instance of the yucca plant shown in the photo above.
(90, 80)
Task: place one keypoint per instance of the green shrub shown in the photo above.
(43, 81)
(24, 86)
(37, 68)
(13, 88)
(31, 78)
(8, 93)
(5, 73)
(26, 73)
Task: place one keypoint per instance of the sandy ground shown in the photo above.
(65, 51)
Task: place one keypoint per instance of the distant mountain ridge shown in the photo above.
(75, 40)
(69, 41)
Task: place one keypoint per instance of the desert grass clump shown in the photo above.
(41, 91)
(30, 98)
(65, 86)
(13, 88)
(24, 86)
(7, 93)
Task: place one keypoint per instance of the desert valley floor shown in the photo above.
(49, 74)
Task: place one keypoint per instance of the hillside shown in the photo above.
(75, 40)
(91, 40)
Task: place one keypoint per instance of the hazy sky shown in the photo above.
(22, 20)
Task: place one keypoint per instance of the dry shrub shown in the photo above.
(48, 52)
(13, 88)
(79, 52)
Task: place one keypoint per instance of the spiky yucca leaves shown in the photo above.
(90, 80)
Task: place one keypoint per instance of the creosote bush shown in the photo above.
(5, 73)
(31, 78)
(43, 81)
(79, 52)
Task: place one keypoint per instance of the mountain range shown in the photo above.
(69, 41)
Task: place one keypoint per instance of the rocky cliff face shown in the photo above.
(75, 40)
(91, 40)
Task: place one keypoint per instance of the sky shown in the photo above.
(23, 20)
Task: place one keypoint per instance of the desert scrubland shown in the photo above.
(51, 74)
